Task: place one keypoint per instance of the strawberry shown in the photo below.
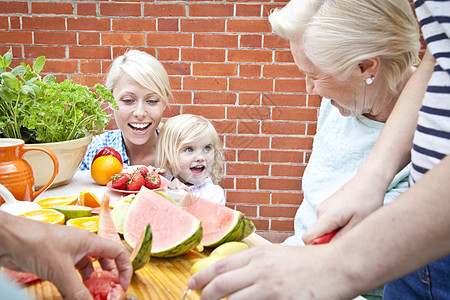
(144, 171)
(119, 181)
(152, 181)
(136, 182)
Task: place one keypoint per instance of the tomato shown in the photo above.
(108, 151)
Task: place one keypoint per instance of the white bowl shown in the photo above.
(69, 154)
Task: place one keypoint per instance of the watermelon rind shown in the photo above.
(243, 228)
(185, 246)
(142, 252)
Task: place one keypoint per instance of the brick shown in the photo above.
(61, 66)
(92, 24)
(86, 9)
(120, 39)
(248, 155)
(287, 198)
(168, 25)
(178, 68)
(290, 128)
(292, 143)
(311, 128)
(16, 37)
(207, 69)
(202, 25)
(43, 23)
(202, 98)
(169, 39)
(283, 56)
(251, 40)
(248, 25)
(251, 84)
(206, 55)
(249, 127)
(227, 183)
(275, 99)
(281, 156)
(182, 97)
(261, 224)
(249, 113)
(248, 10)
(314, 100)
(250, 55)
(120, 9)
(255, 197)
(278, 211)
(209, 112)
(55, 38)
(285, 70)
(164, 10)
(275, 41)
(90, 66)
(267, 8)
(171, 54)
(247, 142)
(199, 83)
(279, 184)
(14, 7)
(51, 8)
(290, 85)
(225, 127)
(282, 225)
(245, 183)
(134, 24)
(250, 70)
(89, 38)
(88, 80)
(211, 10)
(249, 99)
(248, 210)
(288, 170)
(55, 52)
(294, 114)
(216, 40)
(86, 52)
(175, 82)
(15, 22)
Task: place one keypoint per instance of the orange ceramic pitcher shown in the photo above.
(15, 172)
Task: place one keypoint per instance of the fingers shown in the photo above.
(69, 285)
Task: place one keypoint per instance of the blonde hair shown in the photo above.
(337, 35)
(145, 70)
(181, 130)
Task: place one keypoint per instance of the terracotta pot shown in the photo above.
(16, 174)
(70, 155)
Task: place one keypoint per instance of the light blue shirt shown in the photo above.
(340, 145)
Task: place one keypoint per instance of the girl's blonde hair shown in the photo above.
(145, 70)
(181, 130)
(337, 35)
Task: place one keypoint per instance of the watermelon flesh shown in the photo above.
(174, 231)
(106, 226)
(220, 224)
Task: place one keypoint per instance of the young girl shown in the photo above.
(189, 149)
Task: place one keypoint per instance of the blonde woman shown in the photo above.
(141, 88)
(190, 150)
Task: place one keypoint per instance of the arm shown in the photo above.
(362, 195)
(51, 251)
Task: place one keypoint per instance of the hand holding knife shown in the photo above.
(324, 238)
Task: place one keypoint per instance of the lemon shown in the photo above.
(205, 262)
(73, 211)
(229, 248)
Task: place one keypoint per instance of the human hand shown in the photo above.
(274, 272)
(160, 171)
(54, 252)
(347, 207)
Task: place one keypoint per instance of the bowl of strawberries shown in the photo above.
(130, 180)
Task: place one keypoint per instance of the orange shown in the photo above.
(52, 201)
(45, 215)
(104, 167)
(87, 198)
(87, 223)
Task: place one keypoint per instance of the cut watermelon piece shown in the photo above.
(220, 224)
(174, 231)
(140, 255)
(21, 278)
(106, 226)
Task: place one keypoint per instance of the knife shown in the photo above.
(324, 238)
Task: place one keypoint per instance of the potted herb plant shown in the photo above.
(60, 116)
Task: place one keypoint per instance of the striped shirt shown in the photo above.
(432, 138)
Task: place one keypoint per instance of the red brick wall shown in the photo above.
(224, 63)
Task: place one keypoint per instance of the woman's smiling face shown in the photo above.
(347, 95)
(140, 110)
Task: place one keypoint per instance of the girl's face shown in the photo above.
(347, 95)
(196, 160)
(140, 110)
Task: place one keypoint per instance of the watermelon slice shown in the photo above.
(174, 231)
(220, 224)
(21, 278)
(106, 226)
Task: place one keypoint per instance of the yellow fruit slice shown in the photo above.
(127, 199)
(229, 248)
(52, 201)
(45, 215)
(87, 198)
(88, 223)
(73, 211)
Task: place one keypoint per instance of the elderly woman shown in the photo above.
(358, 55)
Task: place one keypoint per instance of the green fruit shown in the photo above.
(142, 252)
(73, 211)
(118, 214)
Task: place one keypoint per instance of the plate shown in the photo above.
(164, 184)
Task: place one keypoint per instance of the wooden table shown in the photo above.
(161, 278)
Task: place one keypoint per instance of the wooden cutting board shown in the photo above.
(161, 278)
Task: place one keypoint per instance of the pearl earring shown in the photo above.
(369, 80)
